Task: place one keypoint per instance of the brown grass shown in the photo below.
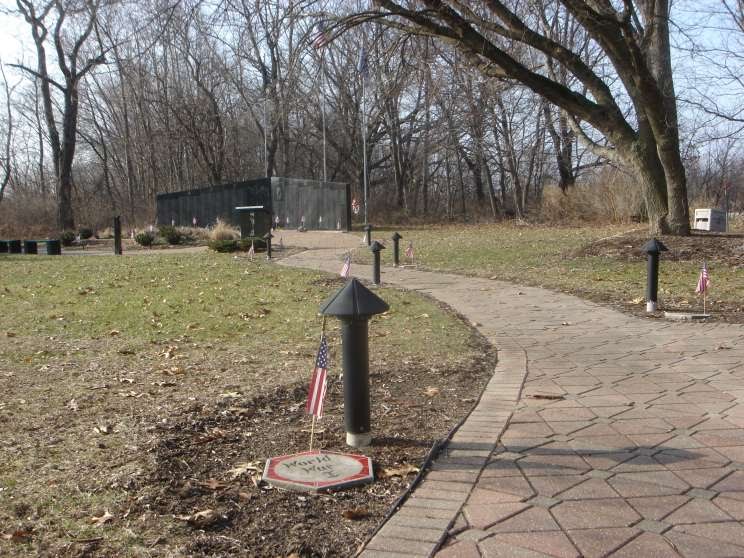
(223, 231)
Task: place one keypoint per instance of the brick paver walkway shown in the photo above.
(600, 434)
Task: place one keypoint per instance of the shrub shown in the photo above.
(67, 237)
(223, 231)
(85, 233)
(259, 244)
(223, 245)
(171, 234)
(145, 238)
(108, 232)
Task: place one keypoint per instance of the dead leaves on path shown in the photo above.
(202, 519)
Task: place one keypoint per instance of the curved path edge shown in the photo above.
(626, 436)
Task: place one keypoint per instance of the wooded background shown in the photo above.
(117, 101)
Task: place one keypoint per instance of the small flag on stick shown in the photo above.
(316, 393)
(346, 268)
(409, 250)
(251, 251)
(281, 243)
(703, 284)
(703, 280)
(364, 239)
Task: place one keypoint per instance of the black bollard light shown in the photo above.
(653, 248)
(376, 248)
(30, 247)
(354, 305)
(267, 237)
(14, 246)
(368, 234)
(117, 235)
(396, 259)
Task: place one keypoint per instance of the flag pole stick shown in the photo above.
(364, 146)
(323, 112)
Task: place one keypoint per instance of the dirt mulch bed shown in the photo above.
(724, 248)
(721, 248)
(212, 457)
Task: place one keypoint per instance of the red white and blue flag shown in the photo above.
(251, 251)
(409, 250)
(703, 283)
(346, 268)
(317, 391)
(320, 38)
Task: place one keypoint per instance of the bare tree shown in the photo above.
(503, 42)
(68, 24)
(6, 157)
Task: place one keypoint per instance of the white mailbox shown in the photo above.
(713, 220)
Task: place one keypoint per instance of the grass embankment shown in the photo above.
(97, 353)
(600, 263)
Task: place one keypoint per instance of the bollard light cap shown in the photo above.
(376, 246)
(396, 236)
(367, 227)
(354, 300)
(654, 246)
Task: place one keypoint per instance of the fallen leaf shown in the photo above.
(402, 471)
(164, 384)
(114, 332)
(355, 513)
(19, 535)
(103, 429)
(231, 395)
(9, 334)
(213, 484)
(100, 521)
(72, 405)
(431, 391)
(549, 397)
(203, 518)
(565, 323)
(722, 348)
(243, 468)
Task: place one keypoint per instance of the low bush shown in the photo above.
(223, 245)
(67, 237)
(145, 238)
(171, 234)
(223, 231)
(259, 244)
(85, 233)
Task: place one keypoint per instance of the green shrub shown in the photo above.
(67, 237)
(259, 244)
(171, 234)
(223, 245)
(85, 233)
(145, 238)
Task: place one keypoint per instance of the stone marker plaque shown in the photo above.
(318, 470)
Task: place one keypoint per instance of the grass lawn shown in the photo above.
(98, 353)
(563, 259)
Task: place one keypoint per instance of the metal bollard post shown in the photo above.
(117, 235)
(368, 231)
(396, 239)
(267, 237)
(376, 248)
(653, 248)
(354, 305)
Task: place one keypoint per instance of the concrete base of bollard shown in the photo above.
(358, 440)
(651, 306)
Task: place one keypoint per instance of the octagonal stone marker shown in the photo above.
(318, 470)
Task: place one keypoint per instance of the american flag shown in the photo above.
(346, 269)
(409, 250)
(317, 391)
(363, 64)
(703, 283)
(251, 251)
(320, 38)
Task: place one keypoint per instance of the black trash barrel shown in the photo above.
(14, 246)
(30, 247)
(53, 248)
(3, 246)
